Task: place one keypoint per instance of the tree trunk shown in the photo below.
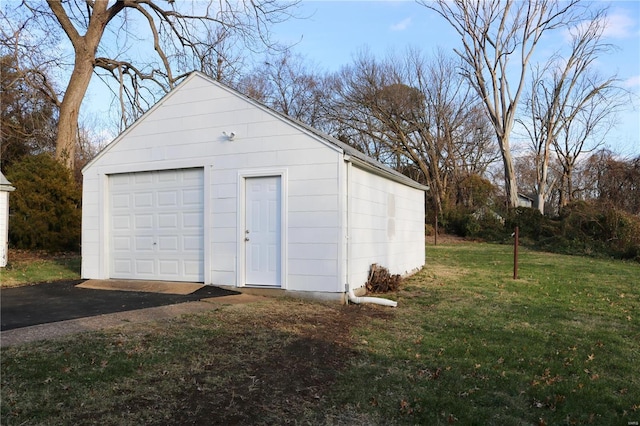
(569, 182)
(437, 187)
(70, 109)
(564, 185)
(543, 189)
(510, 184)
(85, 48)
(432, 181)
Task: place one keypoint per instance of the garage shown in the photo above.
(211, 186)
(156, 225)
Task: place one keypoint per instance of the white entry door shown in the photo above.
(263, 239)
(156, 225)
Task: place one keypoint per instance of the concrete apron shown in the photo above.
(165, 287)
(184, 288)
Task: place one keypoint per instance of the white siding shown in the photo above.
(185, 130)
(4, 226)
(386, 222)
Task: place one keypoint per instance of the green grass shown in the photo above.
(561, 345)
(40, 268)
(467, 345)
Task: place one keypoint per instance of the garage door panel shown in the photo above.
(144, 221)
(191, 197)
(143, 199)
(169, 267)
(121, 180)
(122, 244)
(191, 220)
(143, 242)
(157, 225)
(192, 175)
(144, 267)
(169, 220)
(140, 178)
(171, 175)
(123, 266)
(121, 201)
(168, 199)
(191, 267)
(120, 222)
(192, 243)
(168, 243)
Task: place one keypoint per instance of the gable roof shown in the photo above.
(354, 155)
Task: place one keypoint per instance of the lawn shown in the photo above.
(28, 267)
(466, 345)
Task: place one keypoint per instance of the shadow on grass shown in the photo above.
(69, 262)
(273, 362)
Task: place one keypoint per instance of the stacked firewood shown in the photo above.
(381, 281)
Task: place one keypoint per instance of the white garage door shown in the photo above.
(157, 223)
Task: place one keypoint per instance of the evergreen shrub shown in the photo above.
(582, 228)
(45, 208)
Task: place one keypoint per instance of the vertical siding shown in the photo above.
(386, 226)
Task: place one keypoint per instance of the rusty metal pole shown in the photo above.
(435, 236)
(515, 255)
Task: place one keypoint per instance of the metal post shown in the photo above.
(515, 255)
(435, 236)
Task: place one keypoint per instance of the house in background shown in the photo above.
(5, 189)
(525, 201)
(211, 186)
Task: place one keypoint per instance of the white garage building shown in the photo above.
(210, 186)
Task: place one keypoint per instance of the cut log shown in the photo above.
(381, 281)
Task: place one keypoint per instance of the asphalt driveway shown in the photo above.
(60, 301)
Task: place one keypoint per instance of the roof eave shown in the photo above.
(400, 178)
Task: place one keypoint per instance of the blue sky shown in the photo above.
(329, 35)
(334, 31)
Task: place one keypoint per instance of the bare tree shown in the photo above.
(29, 104)
(288, 84)
(103, 33)
(582, 134)
(413, 116)
(615, 181)
(566, 93)
(493, 32)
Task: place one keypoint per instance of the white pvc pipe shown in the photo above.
(376, 300)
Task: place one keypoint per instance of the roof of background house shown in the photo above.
(5, 185)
